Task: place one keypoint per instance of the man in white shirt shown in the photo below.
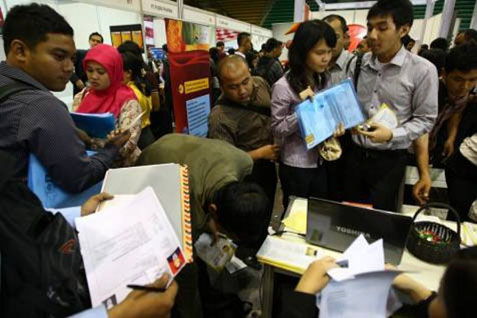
(245, 44)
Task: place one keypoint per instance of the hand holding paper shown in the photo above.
(315, 277)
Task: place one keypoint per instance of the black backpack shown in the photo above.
(41, 268)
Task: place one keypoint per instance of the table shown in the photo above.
(427, 274)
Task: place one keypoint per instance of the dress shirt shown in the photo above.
(339, 71)
(35, 121)
(408, 84)
(245, 129)
(285, 129)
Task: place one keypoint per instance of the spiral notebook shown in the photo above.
(170, 183)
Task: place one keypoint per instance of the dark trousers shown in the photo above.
(303, 182)
(264, 173)
(461, 179)
(375, 176)
(147, 138)
(188, 303)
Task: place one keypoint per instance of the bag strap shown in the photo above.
(260, 110)
(357, 68)
(11, 89)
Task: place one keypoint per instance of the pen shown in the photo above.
(147, 288)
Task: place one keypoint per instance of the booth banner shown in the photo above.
(188, 54)
(123, 33)
(356, 34)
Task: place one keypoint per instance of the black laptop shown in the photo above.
(335, 226)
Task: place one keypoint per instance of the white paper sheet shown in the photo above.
(281, 252)
(362, 258)
(133, 243)
(363, 297)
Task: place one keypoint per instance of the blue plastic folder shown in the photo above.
(319, 118)
(95, 125)
(50, 194)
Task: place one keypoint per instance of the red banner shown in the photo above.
(189, 60)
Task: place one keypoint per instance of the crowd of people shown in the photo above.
(253, 128)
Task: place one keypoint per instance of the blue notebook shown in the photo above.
(51, 195)
(95, 125)
(319, 118)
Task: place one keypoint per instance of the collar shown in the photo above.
(240, 54)
(17, 74)
(342, 59)
(397, 60)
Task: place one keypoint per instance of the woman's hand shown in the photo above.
(339, 131)
(307, 93)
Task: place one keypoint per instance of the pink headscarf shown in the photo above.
(113, 98)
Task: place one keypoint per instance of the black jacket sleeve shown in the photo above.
(298, 305)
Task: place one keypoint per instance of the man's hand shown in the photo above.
(269, 152)
(421, 190)
(315, 278)
(144, 304)
(118, 138)
(92, 204)
(84, 137)
(448, 150)
(377, 133)
(79, 84)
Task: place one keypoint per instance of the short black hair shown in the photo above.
(231, 51)
(97, 34)
(219, 43)
(271, 44)
(31, 24)
(130, 46)
(407, 39)
(440, 43)
(470, 35)
(459, 284)
(436, 57)
(241, 36)
(462, 58)
(401, 11)
(333, 17)
(242, 209)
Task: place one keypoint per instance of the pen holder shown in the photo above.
(433, 242)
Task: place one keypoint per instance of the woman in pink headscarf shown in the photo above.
(107, 93)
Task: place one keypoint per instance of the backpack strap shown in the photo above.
(11, 89)
(357, 68)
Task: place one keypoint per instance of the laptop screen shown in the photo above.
(335, 226)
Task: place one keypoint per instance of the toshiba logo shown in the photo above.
(352, 232)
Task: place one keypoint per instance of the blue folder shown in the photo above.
(95, 125)
(50, 194)
(319, 118)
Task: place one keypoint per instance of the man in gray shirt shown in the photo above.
(407, 84)
(339, 63)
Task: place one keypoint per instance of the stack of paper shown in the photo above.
(360, 289)
(132, 243)
(319, 118)
(294, 257)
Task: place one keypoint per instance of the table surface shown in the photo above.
(425, 273)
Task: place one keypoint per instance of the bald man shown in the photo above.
(242, 118)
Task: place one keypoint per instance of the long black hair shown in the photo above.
(134, 64)
(309, 33)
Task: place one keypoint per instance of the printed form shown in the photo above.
(132, 243)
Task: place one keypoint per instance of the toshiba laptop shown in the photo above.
(335, 226)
